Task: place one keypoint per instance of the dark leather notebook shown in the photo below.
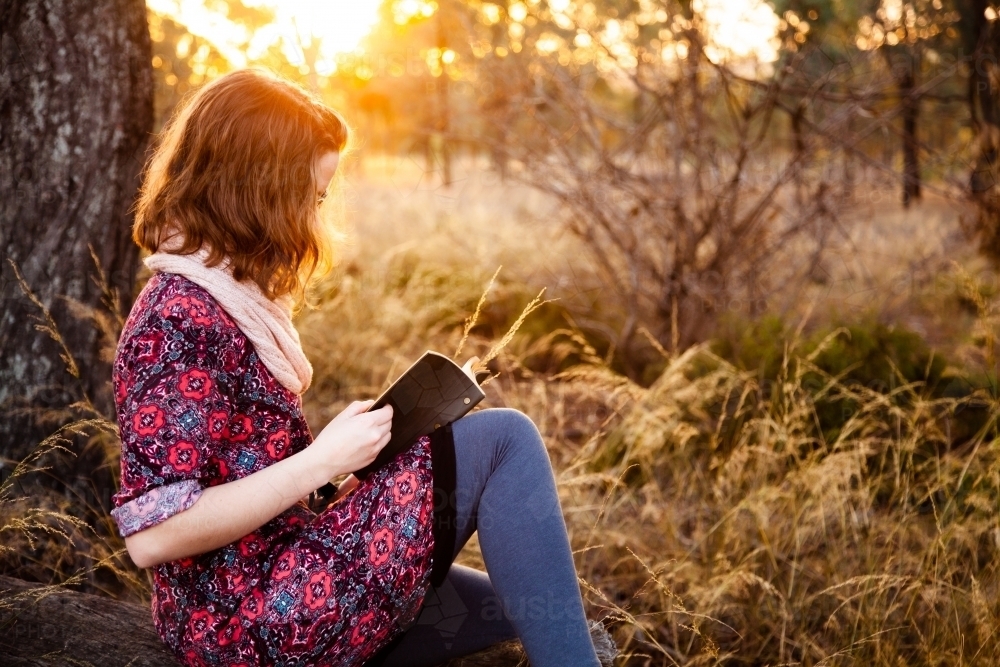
(433, 392)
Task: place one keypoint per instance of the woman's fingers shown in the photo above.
(354, 409)
(382, 416)
(358, 407)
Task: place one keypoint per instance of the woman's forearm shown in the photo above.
(227, 512)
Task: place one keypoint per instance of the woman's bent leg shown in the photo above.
(459, 617)
(505, 489)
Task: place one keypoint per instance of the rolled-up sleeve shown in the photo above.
(155, 506)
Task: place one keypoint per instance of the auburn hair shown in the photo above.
(234, 172)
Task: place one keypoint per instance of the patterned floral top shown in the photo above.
(197, 408)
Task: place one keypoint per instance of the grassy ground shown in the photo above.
(789, 517)
(762, 501)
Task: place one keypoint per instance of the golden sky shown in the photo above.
(737, 28)
(339, 25)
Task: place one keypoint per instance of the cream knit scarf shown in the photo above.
(267, 324)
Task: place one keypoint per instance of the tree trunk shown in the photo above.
(798, 148)
(76, 111)
(978, 41)
(982, 41)
(40, 627)
(444, 105)
(911, 164)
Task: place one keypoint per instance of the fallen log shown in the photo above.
(44, 626)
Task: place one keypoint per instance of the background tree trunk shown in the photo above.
(982, 41)
(905, 66)
(911, 163)
(443, 124)
(76, 111)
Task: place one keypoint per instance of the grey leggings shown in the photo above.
(505, 489)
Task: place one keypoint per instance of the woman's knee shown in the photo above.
(505, 432)
(517, 433)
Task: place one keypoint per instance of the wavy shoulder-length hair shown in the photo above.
(234, 172)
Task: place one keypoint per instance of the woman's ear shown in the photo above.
(325, 168)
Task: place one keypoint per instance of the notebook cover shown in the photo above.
(432, 393)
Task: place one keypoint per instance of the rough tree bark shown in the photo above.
(76, 110)
(62, 627)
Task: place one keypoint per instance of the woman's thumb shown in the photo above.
(357, 407)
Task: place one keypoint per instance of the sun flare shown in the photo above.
(334, 28)
(314, 35)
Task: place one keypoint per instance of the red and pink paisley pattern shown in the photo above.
(196, 405)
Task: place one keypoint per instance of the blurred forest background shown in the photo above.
(767, 232)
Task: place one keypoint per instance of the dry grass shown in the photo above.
(713, 517)
(53, 529)
(63, 537)
(740, 534)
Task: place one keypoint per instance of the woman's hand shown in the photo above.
(353, 438)
(227, 512)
